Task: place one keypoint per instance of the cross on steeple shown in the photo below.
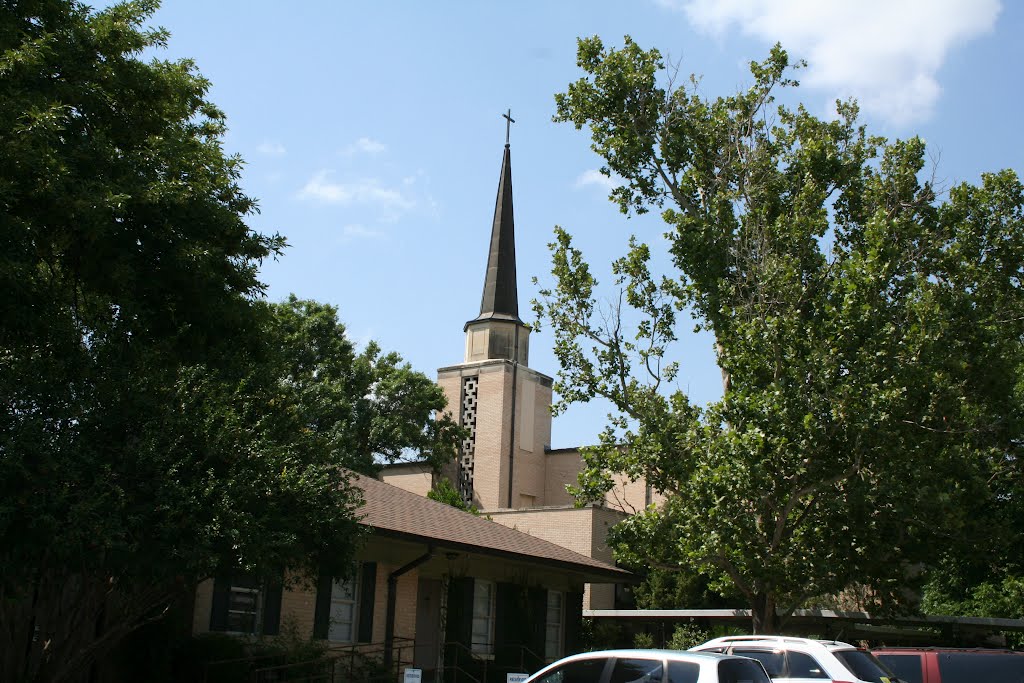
(508, 124)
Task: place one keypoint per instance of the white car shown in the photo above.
(802, 660)
(651, 666)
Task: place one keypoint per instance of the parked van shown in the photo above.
(952, 665)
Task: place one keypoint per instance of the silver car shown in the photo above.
(651, 666)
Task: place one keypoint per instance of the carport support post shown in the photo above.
(389, 624)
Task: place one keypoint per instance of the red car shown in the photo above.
(952, 665)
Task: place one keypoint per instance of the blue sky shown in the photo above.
(373, 135)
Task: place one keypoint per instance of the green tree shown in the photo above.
(372, 407)
(158, 422)
(868, 333)
(444, 491)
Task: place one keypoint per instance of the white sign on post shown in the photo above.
(516, 678)
(413, 675)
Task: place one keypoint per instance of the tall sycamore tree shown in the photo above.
(159, 423)
(868, 332)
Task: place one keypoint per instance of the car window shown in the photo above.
(578, 671)
(774, 662)
(633, 670)
(968, 667)
(741, 671)
(906, 667)
(864, 665)
(683, 672)
(804, 666)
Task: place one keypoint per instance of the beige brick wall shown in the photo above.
(529, 462)
(628, 496)
(417, 480)
(203, 607)
(582, 530)
(494, 413)
(405, 610)
(451, 384)
(562, 469)
(298, 606)
(564, 465)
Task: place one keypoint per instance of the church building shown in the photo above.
(506, 467)
(438, 589)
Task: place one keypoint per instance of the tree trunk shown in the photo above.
(53, 630)
(765, 620)
(726, 377)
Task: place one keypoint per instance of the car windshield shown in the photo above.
(864, 666)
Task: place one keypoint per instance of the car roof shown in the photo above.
(775, 641)
(703, 659)
(939, 648)
(677, 655)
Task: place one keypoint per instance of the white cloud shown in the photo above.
(886, 53)
(365, 191)
(355, 231)
(271, 148)
(365, 145)
(419, 176)
(594, 177)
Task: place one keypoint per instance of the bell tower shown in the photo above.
(502, 402)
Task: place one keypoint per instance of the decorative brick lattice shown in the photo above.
(470, 385)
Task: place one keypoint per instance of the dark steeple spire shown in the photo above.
(500, 299)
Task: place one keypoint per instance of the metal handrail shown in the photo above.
(336, 656)
(489, 664)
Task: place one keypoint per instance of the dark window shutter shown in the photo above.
(573, 622)
(537, 600)
(510, 624)
(219, 607)
(322, 613)
(460, 611)
(272, 607)
(367, 596)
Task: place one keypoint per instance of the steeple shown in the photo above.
(498, 332)
(500, 299)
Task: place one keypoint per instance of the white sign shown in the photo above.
(413, 675)
(516, 678)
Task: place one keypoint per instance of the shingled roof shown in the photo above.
(394, 512)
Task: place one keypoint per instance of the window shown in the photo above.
(906, 667)
(483, 618)
(244, 606)
(804, 666)
(740, 671)
(342, 627)
(578, 671)
(683, 672)
(553, 626)
(967, 666)
(864, 666)
(344, 606)
(634, 670)
(774, 662)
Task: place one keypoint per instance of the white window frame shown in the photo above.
(339, 599)
(553, 648)
(483, 617)
(256, 612)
